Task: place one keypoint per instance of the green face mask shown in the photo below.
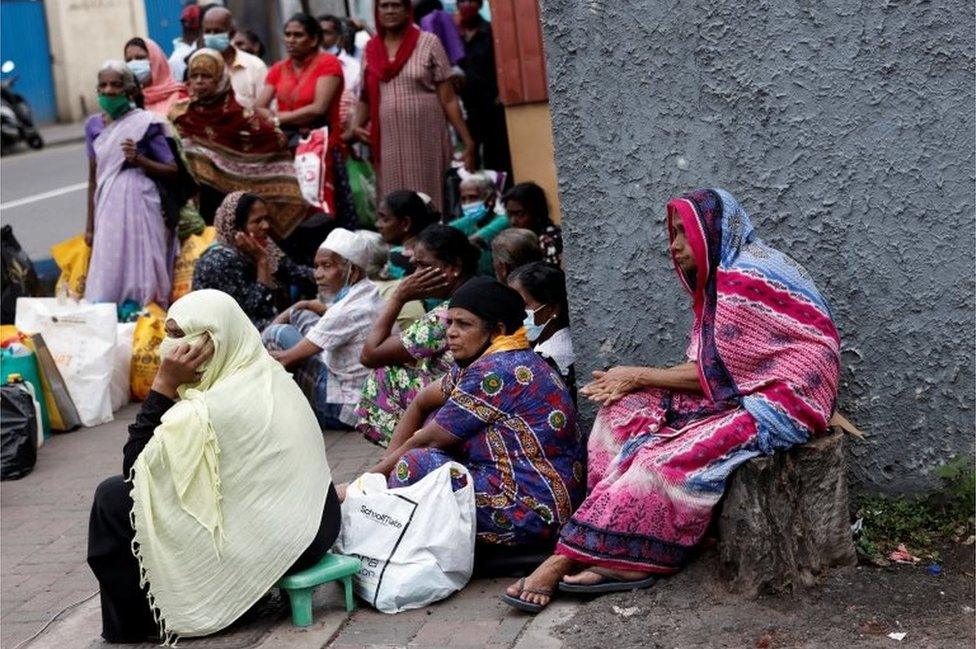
(114, 105)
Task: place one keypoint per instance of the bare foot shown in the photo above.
(594, 575)
(543, 580)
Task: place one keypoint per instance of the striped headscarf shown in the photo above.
(763, 334)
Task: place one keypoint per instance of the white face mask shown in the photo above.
(533, 331)
(140, 69)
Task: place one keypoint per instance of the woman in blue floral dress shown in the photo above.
(503, 413)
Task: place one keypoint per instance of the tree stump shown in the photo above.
(786, 520)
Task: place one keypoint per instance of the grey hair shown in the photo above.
(129, 83)
(215, 9)
(379, 252)
(484, 183)
(516, 247)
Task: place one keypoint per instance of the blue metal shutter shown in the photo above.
(23, 40)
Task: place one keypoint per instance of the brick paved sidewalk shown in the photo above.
(43, 534)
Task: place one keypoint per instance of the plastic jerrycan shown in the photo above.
(25, 364)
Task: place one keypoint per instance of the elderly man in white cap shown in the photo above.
(324, 351)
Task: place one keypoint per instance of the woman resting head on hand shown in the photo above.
(246, 262)
(230, 487)
(404, 362)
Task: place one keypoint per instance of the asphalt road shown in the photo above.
(42, 195)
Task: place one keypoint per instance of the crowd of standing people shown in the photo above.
(432, 319)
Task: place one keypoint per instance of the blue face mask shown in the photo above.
(140, 68)
(219, 42)
(533, 331)
(344, 291)
(474, 211)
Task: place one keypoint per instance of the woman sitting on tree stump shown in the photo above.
(761, 375)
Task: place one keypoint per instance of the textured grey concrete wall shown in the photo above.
(846, 130)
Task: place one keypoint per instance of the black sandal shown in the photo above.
(608, 586)
(521, 604)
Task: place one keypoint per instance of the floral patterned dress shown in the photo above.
(389, 390)
(520, 439)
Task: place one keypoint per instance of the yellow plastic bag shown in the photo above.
(150, 331)
(8, 331)
(72, 257)
(190, 250)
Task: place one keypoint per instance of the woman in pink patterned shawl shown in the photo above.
(761, 374)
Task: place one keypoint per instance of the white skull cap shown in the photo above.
(348, 245)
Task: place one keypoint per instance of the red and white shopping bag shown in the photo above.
(313, 162)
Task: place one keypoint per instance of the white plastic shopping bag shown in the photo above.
(416, 543)
(81, 338)
(122, 364)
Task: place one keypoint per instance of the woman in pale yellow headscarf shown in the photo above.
(230, 488)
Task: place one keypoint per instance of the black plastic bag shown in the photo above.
(174, 193)
(19, 277)
(18, 431)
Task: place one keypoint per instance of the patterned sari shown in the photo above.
(231, 148)
(132, 253)
(768, 362)
(519, 436)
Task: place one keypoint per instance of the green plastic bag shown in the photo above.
(190, 221)
(362, 181)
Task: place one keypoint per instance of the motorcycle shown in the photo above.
(16, 117)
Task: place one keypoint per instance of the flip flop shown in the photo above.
(521, 604)
(606, 586)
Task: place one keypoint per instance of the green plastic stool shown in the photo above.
(301, 585)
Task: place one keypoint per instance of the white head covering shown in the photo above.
(348, 245)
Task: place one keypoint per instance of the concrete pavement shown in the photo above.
(43, 528)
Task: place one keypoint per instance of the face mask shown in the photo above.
(168, 345)
(344, 291)
(114, 105)
(334, 50)
(140, 68)
(219, 42)
(532, 330)
(475, 211)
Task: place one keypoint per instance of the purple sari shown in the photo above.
(131, 251)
